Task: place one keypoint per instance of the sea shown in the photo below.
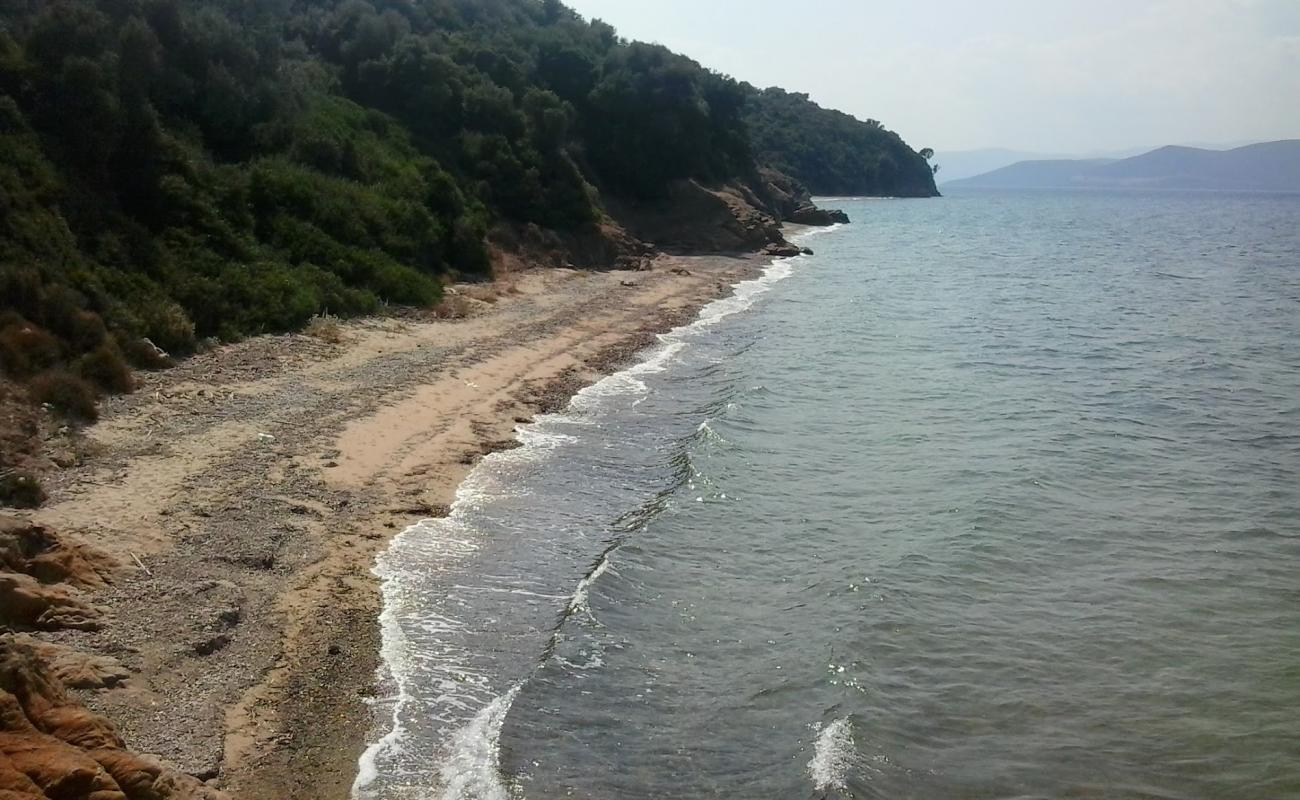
(996, 495)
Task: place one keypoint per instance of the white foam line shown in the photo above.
(818, 231)
(393, 647)
(504, 590)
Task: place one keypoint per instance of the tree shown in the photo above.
(178, 169)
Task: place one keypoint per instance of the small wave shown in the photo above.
(594, 661)
(628, 381)
(534, 437)
(819, 231)
(706, 433)
(473, 769)
(367, 766)
(832, 756)
(579, 601)
(854, 199)
(743, 295)
(659, 361)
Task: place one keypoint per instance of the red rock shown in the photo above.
(28, 603)
(37, 551)
(53, 748)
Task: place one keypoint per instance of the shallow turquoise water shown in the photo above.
(995, 496)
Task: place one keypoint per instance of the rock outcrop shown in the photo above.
(42, 577)
(812, 215)
(29, 604)
(790, 201)
(37, 551)
(782, 193)
(51, 747)
(601, 245)
(698, 218)
(73, 668)
(736, 217)
(783, 250)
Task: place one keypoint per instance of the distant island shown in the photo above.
(956, 165)
(1269, 166)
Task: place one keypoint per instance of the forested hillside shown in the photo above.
(833, 153)
(178, 169)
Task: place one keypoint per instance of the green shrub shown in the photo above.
(399, 284)
(20, 490)
(68, 395)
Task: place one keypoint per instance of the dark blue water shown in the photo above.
(997, 496)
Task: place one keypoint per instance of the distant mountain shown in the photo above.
(1269, 166)
(1033, 174)
(957, 165)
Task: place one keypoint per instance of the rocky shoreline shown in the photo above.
(201, 573)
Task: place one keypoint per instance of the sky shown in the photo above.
(1055, 76)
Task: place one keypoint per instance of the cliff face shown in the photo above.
(695, 217)
(730, 217)
(791, 201)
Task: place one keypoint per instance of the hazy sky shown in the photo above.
(1042, 75)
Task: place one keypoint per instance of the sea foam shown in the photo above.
(832, 756)
(472, 770)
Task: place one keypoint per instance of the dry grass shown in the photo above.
(20, 448)
(20, 489)
(68, 395)
(482, 292)
(326, 327)
(454, 306)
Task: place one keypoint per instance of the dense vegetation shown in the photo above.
(173, 170)
(833, 153)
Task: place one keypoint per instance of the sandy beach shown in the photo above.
(248, 491)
